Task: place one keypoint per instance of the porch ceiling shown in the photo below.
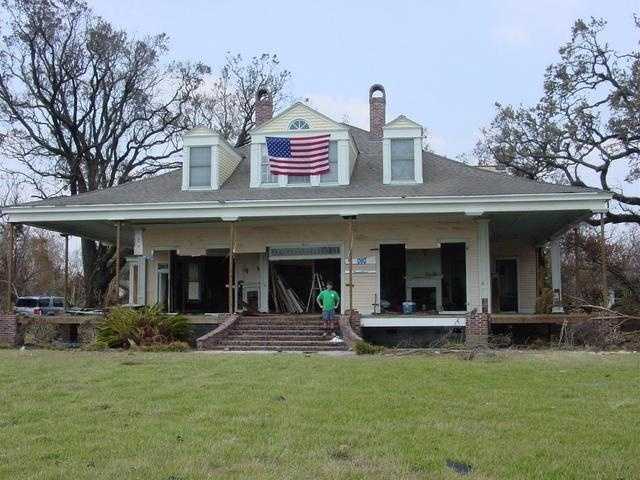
(100, 230)
(538, 227)
(533, 227)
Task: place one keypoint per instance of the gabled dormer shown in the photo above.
(299, 120)
(208, 160)
(402, 151)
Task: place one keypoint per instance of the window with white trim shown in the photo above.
(299, 179)
(402, 160)
(298, 124)
(332, 175)
(199, 166)
(266, 177)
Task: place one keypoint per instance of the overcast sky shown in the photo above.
(443, 63)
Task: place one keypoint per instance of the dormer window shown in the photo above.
(200, 167)
(402, 151)
(299, 124)
(402, 160)
(208, 160)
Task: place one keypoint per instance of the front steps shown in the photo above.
(286, 333)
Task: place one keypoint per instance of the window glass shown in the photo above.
(332, 175)
(200, 166)
(402, 161)
(194, 282)
(43, 302)
(299, 124)
(58, 302)
(266, 177)
(299, 179)
(27, 302)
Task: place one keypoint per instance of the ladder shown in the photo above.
(317, 285)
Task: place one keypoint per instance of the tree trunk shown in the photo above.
(98, 270)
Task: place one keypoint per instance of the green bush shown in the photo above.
(124, 327)
(365, 348)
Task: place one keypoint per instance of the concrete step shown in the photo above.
(243, 348)
(294, 330)
(277, 333)
(277, 338)
(272, 320)
(252, 326)
(280, 343)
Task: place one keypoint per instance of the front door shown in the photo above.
(507, 273)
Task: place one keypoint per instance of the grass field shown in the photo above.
(80, 415)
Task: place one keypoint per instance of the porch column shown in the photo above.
(556, 275)
(603, 254)
(232, 241)
(484, 265)
(118, 255)
(10, 267)
(351, 219)
(66, 270)
(137, 264)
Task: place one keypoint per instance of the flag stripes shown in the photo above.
(298, 155)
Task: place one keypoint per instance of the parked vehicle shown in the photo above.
(39, 305)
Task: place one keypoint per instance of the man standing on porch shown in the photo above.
(329, 300)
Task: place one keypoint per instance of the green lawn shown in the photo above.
(80, 415)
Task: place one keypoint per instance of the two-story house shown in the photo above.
(389, 223)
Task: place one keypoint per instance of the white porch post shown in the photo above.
(142, 280)
(484, 265)
(556, 275)
(141, 260)
(137, 292)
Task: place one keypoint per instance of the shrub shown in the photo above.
(40, 333)
(365, 348)
(125, 326)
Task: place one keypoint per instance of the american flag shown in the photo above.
(298, 155)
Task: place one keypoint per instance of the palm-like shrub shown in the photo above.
(146, 326)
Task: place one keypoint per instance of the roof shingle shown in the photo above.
(442, 177)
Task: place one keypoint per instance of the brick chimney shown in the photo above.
(377, 107)
(264, 106)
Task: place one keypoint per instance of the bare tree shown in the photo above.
(582, 268)
(586, 124)
(86, 107)
(38, 255)
(228, 104)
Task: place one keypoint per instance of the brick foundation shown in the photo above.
(8, 329)
(477, 329)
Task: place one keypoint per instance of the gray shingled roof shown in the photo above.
(442, 177)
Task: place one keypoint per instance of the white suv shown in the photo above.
(39, 305)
